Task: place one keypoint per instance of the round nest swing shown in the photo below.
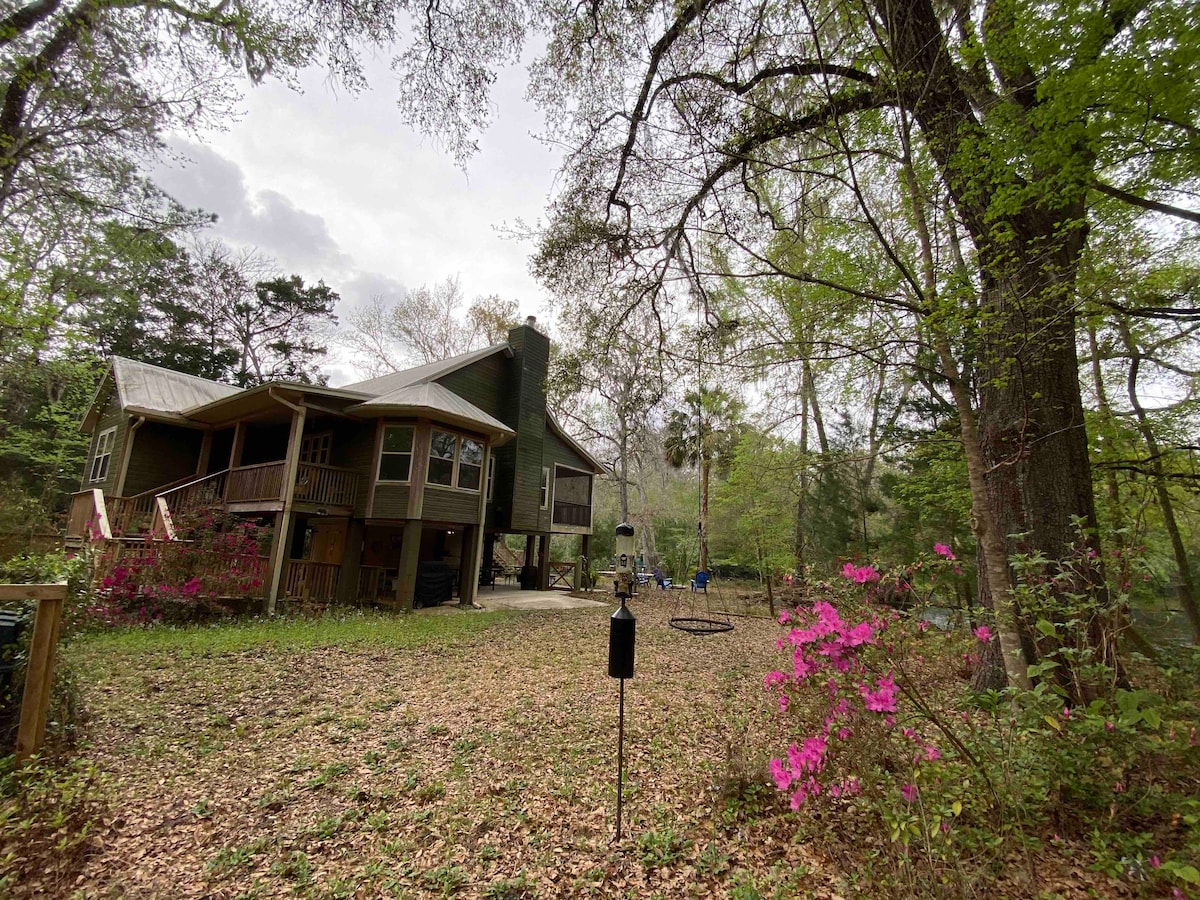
(700, 626)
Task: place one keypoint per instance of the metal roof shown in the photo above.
(435, 401)
(393, 381)
(148, 387)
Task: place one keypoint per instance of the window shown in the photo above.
(491, 479)
(395, 458)
(315, 448)
(455, 461)
(545, 487)
(442, 448)
(470, 464)
(104, 447)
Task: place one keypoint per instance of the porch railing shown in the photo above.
(261, 482)
(371, 584)
(326, 485)
(308, 580)
(322, 485)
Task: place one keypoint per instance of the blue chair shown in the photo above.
(700, 582)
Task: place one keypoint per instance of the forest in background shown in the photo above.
(881, 275)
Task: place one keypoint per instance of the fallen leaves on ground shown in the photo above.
(480, 767)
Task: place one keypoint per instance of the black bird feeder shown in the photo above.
(622, 635)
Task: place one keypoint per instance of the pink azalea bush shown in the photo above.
(865, 738)
(882, 738)
(218, 560)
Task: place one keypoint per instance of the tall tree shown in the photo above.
(704, 434)
(1022, 120)
(425, 325)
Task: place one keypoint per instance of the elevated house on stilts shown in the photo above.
(392, 490)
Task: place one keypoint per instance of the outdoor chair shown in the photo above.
(700, 582)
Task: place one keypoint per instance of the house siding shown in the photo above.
(459, 507)
(391, 501)
(159, 455)
(112, 417)
(354, 448)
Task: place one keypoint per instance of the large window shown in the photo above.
(395, 459)
(104, 448)
(455, 461)
(470, 464)
(442, 449)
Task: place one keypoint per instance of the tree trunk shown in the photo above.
(1031, 428)
(649, 542)
(1002, 658)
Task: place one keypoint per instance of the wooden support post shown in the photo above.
(543, 583)
(473, 543)
(235, 448)
(530, 562)
(283, 531)
(351, 564)
(410, 553)
(39, 671)
(206, 443)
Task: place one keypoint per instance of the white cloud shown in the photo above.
(335, 187)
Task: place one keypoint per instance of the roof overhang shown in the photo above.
(438, 404)
(258, 401)
(552, 423)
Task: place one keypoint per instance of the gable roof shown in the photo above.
(430, 398)
(393, 381)
(154, 391)
(144, 389)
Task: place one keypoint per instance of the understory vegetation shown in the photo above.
(472, 755)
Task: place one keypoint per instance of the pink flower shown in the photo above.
(1066, 713)
(923, 625)
(932, 754)
(883, 699)
(783, 703)
(774, 680)
(779, 772)
(1154, 861)
(943, 550)
(909, 792)
(983, 634)
(1109, 726)
(785, 617)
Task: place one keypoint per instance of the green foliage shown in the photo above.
(958, 781)
(49, 811)
(757, 507)
(661, 847)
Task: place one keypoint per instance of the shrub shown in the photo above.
(218, 559)
(889, 745)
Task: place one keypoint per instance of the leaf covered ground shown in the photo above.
(472, 757)
(443, 754)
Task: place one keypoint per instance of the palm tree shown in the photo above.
(703, 432)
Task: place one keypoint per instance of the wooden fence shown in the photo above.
(39, 670)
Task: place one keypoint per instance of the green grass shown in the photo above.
(362, 628)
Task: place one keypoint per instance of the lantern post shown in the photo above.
(621, 638)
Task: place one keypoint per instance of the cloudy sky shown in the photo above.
(332, 186)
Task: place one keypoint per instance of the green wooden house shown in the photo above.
(386, 490)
